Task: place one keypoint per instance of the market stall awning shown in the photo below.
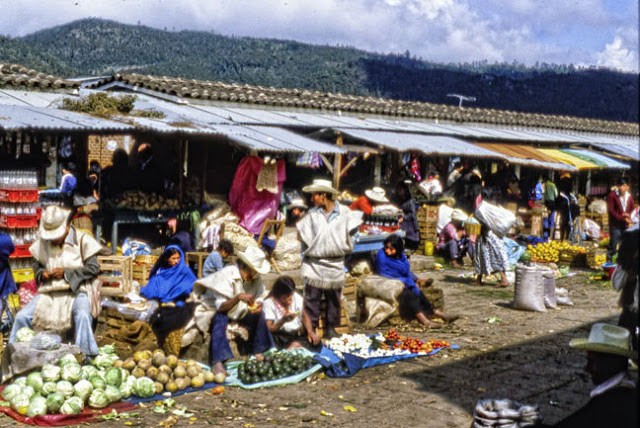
(274, 139)
(427, 144)
(520, 154)
(570, 159)
(15, 117)
(597, 158)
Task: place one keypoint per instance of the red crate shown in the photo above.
(7, 195)
(21, 251)
(21, 221)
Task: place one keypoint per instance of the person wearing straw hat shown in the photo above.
(295, 210)
(236, 294)
(452, 242)
(66, 266)
(325, 232)
(371, 198)
(614, 400)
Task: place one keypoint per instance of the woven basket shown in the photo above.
(145, 260)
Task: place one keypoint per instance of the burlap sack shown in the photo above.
(529, 289)
(288, 252)
(239, 236)
(377, 312)
(377, 287)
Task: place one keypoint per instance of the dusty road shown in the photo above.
(523, 356)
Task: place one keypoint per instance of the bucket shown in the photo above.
(608, 269)
(428, 248)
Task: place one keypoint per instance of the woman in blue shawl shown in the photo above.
(170, 283)
(413, 304)
(7, 284)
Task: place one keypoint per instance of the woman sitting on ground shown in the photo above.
(286, 318)
(170, 283)
(413, 304)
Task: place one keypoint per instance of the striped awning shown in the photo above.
(520, 154)
(597, 158)
(571, 159)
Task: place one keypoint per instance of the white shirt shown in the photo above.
(274, 311)
(621, 379)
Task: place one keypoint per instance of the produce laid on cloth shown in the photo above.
(546, 252)
(277, 368)
(346, 355)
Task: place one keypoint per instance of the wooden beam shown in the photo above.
(327, 162)
(349, 165)
(337, 161)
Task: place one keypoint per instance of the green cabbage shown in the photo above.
(67, 359)
(50, 373)
(88, 371)
(11, 391)
(65, 388)
(113, 392)
(71, 372)
(97, 382)
(25, 334)
(54, 402)
(72, 406)
(125, 389)
(83, 389)
(38, 406)
(49, 388)
(22, 381)
(20, 403)
(98, 399)
(28, 390)
(104, 360)
(144, 387)
(113, 376)
(34, 380)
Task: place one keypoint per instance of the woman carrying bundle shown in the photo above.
(170, 283)
(413, 304)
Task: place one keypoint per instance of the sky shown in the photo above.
(580, 32)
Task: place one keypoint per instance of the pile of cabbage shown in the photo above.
(68, 387)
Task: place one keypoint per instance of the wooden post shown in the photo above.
(205, 165)
(337, 161)
(377, 170)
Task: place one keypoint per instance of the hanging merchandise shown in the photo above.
(415, 168)
(268, 177)
(309, 160)
(66, 148)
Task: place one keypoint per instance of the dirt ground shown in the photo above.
(519, 355)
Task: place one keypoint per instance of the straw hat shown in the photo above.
(376, 194)
(605, 338)
(320, 185)
(297, 203)
(53, 224)
(459, 215)
(255, 258)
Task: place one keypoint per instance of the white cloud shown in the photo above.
(618, 55)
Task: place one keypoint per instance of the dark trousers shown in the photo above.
(615, 233)
(312, 298)
(259, 336)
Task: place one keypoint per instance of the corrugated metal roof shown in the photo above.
(597, 158)
(563, 156)
(31, 98)
(528, 156)
(14, 117)
(427, 144)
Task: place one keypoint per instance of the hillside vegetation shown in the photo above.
(94, 47)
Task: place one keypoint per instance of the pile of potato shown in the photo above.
(167, 371)
(137, 200)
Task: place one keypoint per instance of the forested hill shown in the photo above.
(100, 47)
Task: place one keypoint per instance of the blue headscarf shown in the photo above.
(7, 284)
(397, 268)
(173, 284)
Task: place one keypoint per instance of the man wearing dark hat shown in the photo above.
(619, 208)
(614, 400)
(66, 266)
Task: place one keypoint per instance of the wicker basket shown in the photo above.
(145, 260)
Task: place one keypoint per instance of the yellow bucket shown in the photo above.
(428, 248)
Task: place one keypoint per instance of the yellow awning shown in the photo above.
(570, 159)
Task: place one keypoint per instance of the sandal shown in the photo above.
(501, 285)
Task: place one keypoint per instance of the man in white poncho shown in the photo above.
(325, 233)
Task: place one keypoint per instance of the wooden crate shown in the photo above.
(140, 273)
(345, 323)
(197, 258)
(115, 274)
(350, 290)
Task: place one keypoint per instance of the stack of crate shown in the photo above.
(115, 274)
(141, 267)
(427, 221)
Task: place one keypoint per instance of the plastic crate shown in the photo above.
(22, 275)
(21, 251)
(20, 221)
(7, 195)
(115, 274)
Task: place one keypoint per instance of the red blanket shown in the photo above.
(87, 415)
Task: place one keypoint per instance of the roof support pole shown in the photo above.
(337, 162)
(377, 170)
(587, 187)
(205, 163)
